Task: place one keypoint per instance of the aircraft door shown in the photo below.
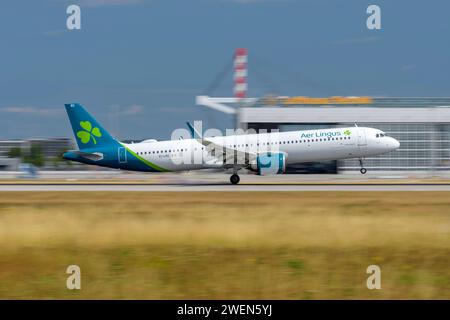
(122, 155)
(361, 137)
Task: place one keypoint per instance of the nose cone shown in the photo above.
(395, 144)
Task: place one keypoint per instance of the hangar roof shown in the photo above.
(273, 109)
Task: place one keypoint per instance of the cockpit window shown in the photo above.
(380, 135)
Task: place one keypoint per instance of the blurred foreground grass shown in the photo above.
(249, 245)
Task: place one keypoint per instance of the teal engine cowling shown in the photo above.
(269, 163)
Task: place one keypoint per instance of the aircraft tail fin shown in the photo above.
(88, 132)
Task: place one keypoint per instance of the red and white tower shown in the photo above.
(240, 73)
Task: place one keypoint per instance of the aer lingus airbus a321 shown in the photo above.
(263, 153)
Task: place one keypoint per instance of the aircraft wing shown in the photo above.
(228, 156)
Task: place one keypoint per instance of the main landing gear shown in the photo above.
(362, 170)
(234, 179)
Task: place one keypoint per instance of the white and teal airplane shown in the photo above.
(263, 153)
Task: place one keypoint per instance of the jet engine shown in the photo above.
(269, 163)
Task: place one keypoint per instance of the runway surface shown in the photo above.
(223, 187)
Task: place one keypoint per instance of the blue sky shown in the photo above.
(138, 64)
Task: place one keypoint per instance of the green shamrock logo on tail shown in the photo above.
(347, 132)
(88, 132)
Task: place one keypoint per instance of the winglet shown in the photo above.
(194, 133)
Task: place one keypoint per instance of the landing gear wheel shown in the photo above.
(363, 170)
(234, 179)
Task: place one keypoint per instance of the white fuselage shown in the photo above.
(298, 146)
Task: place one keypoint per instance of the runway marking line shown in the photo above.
(225, 184)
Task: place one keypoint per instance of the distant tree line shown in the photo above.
(35, 156)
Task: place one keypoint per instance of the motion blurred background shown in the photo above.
(143, 68)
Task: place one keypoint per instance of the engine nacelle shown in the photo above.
(269, 163)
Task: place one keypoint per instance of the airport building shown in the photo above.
(49, 148)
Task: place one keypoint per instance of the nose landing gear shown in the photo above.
(362, 170)
(234, 179)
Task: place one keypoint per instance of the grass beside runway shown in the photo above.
(268, 245)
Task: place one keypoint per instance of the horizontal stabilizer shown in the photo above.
(93, 156)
